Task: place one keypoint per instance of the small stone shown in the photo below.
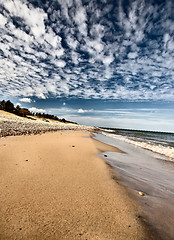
(26, 160)
(73, 146)
(141, 193)
(105, 155)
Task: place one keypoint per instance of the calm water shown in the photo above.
(146, 171)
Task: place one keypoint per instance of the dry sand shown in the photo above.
(53, 186)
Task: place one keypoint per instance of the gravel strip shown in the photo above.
(18, 126)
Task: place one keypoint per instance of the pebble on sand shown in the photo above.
(141, 193)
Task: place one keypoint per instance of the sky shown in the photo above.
(96, 62)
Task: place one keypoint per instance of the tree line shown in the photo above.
(24, 112)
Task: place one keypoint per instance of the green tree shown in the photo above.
(9, 106)
(2, 105)
(18, 108)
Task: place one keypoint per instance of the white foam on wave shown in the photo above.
(164, 150)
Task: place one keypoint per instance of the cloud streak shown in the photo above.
(87, 49)
(140, 118)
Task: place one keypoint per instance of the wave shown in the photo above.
(148, 145)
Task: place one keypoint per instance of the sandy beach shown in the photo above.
(54, 186)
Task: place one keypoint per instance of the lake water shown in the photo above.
(159, 142)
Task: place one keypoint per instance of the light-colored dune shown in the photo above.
(12, 125)
(7, 114)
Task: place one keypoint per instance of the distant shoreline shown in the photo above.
(133, 130)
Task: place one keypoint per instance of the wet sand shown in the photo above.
(53, 186)
(150, 173)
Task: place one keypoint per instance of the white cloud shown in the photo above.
(97, 30)
(72, 42)
(40, 95)
(27, 100)
(51, 87)
(18, 104)
(34, 17)
(34, 110)
(107, 60)
(94, 45)
(59, 52)
(94, 60)
(166, 38)
(80, 16)
(81, 110)
(3, 20)
(51, 38)
(60, 63)
(80, 19)
(132, 55)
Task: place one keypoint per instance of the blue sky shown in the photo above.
(98, 62)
